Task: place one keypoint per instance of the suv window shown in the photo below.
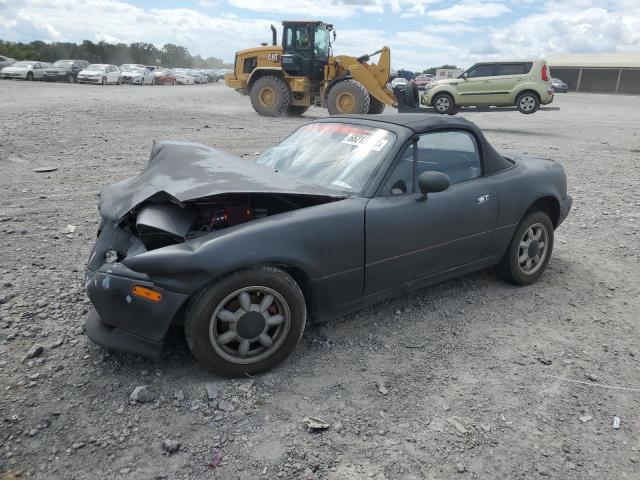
(454, 153)
(514, 68)
(484, 70)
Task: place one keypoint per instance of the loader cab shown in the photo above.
(306, 47)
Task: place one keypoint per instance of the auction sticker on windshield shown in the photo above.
(365, 139)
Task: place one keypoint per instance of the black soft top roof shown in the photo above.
(429, 122)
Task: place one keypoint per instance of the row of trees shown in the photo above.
(169, 55)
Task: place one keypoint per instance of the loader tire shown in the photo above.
(376, 106)
(348, 96)
(270, 96)
(297, 110)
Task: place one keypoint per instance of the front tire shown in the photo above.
(527, 103)
(348, 97)
(270, 96)
(246, 323)
(104, 80)
(530, 250)
(443, 103)
(30, 76)
(376, 107)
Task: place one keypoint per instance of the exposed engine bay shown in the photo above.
(158, 225)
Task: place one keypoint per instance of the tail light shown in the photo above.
(545, 73)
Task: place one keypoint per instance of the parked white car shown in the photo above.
(399, 82)
(25, 70)
(183, 77)
(100, 73)
(138, 76)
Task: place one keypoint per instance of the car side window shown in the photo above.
(485, 70)
(401, 179)
(454, 153)
(513, 68)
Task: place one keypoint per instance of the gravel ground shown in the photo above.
(473, 378)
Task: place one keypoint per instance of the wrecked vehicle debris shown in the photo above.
(343, 213)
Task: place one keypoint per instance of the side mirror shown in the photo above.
(432, 182)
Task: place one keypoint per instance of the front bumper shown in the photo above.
(127, 322)
(88, 80)
(565, 208)
(121, 340)
(15, 75)
(54, 77)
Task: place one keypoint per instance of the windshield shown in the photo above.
(63, 63)
(96, 66)
(339, 156)
(22, 64)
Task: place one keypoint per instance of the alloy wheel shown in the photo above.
(442, 104)
(533, 248)
(249, 324)
(527, 103)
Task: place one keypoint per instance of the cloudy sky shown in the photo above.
(421, 33)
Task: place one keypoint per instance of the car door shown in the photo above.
(115, 74)
(475, 85)
(410, 238)
(38, 71)
(508, 77)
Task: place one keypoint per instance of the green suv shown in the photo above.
(527, 85)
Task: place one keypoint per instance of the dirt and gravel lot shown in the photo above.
(473, 378)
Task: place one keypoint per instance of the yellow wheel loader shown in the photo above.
(287, 79)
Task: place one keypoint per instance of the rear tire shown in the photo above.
(270, 96)
(527, 103)
(519, 264)
(411, 95)
(348, 97)
(376, 106)
(297, 110)
(443, 103)
(234, 338)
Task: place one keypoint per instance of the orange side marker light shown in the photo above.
(147, 293)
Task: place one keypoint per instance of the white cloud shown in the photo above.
(118, 21)
(468, 10)
(575, 29)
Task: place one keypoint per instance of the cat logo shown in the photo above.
(273, 57)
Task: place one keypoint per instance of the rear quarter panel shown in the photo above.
(518, 188)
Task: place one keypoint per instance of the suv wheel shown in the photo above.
(247, 322)
(527, 103)
(443, 103)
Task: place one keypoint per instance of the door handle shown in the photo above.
(482, 199)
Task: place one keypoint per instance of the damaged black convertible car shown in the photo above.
(345, 212)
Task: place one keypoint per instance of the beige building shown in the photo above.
(598, 72)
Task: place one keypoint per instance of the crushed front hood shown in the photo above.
(188, 171)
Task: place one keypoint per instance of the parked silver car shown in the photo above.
(25, 70)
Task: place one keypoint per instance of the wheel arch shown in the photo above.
(443, 92)
(297, 272)
(526, 90)
(549, 205)
(263, 72)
